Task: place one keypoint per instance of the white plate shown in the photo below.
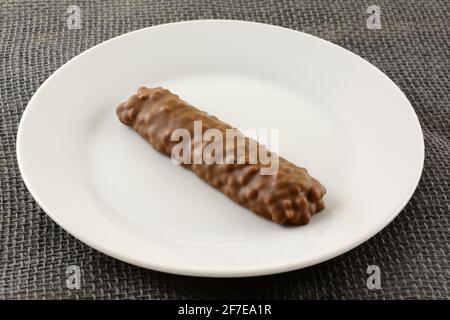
(338, 116)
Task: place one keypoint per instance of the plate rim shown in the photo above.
(235, 272)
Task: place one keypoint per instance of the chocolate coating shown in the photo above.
(290, 196)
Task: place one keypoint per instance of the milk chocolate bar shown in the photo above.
(290, 196)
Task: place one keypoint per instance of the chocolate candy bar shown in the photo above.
(289, 196)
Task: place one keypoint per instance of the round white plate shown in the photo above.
(338, 116)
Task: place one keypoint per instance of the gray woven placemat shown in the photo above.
(412, 47)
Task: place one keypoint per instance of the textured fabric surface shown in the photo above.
(412, 48)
